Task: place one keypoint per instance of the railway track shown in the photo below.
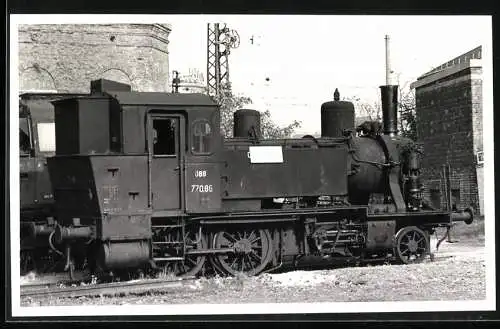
(100, 289)
(69, 289)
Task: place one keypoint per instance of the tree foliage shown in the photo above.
(372, 111)
(407, 120)
(407, 114)
(229, 103)
(272, 130)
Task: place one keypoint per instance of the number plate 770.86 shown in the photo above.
(202, 188)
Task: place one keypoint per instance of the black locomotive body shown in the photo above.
(145, 180)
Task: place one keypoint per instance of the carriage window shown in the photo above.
(24, 136)
(201, 132)
(164, 136)
(47, 136)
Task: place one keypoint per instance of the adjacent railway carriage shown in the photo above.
(36, 143)
(145, 180)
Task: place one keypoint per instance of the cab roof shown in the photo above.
(125, 98)
(158, 98)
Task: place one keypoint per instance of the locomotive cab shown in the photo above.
(183, 144)
(175, 138)
(127, 159)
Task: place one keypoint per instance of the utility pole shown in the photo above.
(220, 40)
(387, 62)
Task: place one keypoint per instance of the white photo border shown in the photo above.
(489, 304)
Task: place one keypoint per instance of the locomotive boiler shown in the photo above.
(146, 180)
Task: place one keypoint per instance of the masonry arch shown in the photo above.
(36, 78)
(117, 75)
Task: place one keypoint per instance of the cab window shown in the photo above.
(46, 136)
(164, 136)
(201, 132)
(24, 136)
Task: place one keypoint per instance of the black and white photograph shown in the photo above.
(250, 164)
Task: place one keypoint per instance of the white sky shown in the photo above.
(307, 57)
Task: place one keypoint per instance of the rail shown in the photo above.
(99, 289)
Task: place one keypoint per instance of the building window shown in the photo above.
(201, 135)
(480, 157)
(435, 198)
(455, 199)
(164, 136)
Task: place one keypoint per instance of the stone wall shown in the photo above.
(67, 57)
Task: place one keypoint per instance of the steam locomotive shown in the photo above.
(145, 180)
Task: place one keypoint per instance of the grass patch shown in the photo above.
(164, 274)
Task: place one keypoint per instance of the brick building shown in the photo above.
(66, 57)
(449, 125)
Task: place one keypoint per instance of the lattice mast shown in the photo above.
(220, 39)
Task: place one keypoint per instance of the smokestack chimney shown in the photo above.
(390, 109)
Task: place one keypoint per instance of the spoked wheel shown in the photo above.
(214, 260)
(412, 245)
(192, 264)
(252, 251)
